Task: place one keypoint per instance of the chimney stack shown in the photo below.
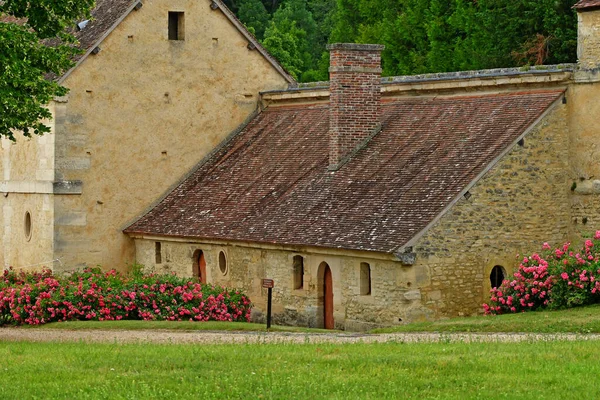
(354, 100)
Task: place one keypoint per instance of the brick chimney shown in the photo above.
(588, 33)
(354, 100)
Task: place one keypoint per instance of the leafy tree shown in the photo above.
(284, 47)
(34, 44)
(255, 16)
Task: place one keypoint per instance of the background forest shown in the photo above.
(420, 35)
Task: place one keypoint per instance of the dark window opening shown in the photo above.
(27, 226)
(298, 272)
(365, 279)
(497, 276)
(157, 252)
(176, 25)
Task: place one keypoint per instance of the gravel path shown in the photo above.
(211, 337)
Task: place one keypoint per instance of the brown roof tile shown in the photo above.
(270, 184)
(585, 4)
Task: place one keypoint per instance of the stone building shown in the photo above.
(159, 85)
(369, 201)
(375, 201)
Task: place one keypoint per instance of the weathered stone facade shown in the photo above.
(588, 39)
(394, 288)
(139, 115)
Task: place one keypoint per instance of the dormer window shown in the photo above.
(176, 25)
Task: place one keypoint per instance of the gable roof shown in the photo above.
(587, 4)
(108, 14)
(270, 184)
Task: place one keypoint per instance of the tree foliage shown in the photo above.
(420, 35)
(34, 43)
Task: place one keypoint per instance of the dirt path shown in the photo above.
(206, 337)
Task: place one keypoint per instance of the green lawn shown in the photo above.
(171, 325)
(278, 371)
(577, 320)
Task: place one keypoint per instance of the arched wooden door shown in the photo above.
(328, 299)
(199, 266)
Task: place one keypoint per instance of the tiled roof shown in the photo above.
(270, 183)
(583, 4)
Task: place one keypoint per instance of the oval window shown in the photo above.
(223, 263)
(27, 225)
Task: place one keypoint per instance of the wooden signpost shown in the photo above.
(268, 284)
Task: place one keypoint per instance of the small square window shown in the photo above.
(176, 25)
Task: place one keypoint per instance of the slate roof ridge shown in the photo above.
(444, 76)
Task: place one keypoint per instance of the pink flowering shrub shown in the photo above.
(558, 278)
(38, 298)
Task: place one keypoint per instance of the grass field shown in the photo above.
(577, 320)
(277, 371)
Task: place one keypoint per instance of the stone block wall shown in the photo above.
(588, 39)
(522, 202)
(394, 297)
(26, 186)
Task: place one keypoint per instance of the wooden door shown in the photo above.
(328, 299)
(202, 268)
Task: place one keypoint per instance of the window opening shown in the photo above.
(365, 279)
(497, 276)
(223, 263)
(27, 225)
(298, 272)
(157, 252)
(176, 25)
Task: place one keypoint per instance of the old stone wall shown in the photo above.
(140, 114)
(584, 153)
(26, 187)
(588, 39)
(520, 203)
(394, 296)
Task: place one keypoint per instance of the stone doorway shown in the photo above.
(327, 295)
(199, 266)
